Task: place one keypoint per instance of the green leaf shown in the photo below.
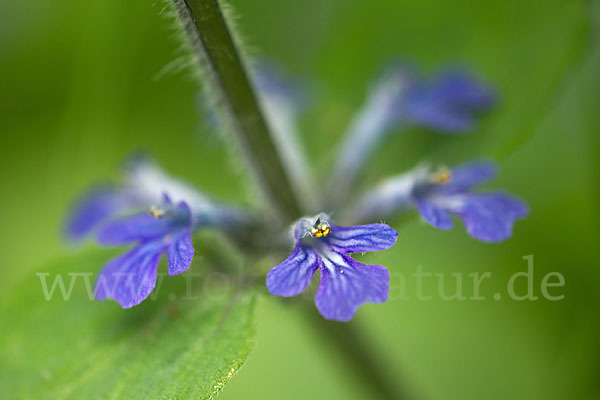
(170, 346)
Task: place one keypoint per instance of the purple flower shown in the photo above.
(98, 205)
(488, 217)
(439, 194)
(143, 186)
(345, 283)
(128, 213)
(447, 104)
(131, 277)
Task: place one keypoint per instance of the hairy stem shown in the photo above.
(225, 77)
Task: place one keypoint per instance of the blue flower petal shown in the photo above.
(95, 207)
(436, 115)
(133, 228)
(292, 276)
(347, 284)
(434, 215)
(131, 277)
(468, 175)
(463, 90)
(512, 205)
(449, 104)
(180, 253)
(490, 217)
(143, 226)
(361, 238)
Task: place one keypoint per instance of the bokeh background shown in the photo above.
(81, 90)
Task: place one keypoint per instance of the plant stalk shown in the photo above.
(223, 72)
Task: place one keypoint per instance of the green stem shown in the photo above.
(224, 73)
(352, 346)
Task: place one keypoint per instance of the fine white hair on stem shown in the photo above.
(219, 62)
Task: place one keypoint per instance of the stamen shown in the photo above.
(156, 212)
(441, 176)
(320, 228)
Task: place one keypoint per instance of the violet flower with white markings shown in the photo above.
(141, 210)
(345, 283)
(144, 185)
(440, 193)
(131, 277)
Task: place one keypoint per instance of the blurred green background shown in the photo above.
(80, 92)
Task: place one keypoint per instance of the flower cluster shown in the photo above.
(158, 215)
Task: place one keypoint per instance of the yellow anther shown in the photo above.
(156, 212)
(442, 176)
(320, 229)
